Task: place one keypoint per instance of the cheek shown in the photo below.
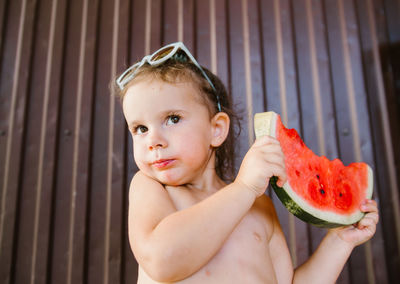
(193, 146)
(138, 154)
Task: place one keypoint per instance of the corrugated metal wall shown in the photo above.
(331, 68)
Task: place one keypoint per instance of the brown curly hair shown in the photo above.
(173, 71)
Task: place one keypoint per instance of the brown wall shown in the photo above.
(331, 68)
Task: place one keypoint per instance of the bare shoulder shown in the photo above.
(143, 187)
(140, 181)
(149, 203)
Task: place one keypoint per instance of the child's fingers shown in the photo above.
(372, 216)
(276, 169)
(369, 206)
(367, 223)
(281, 182)
(370, 201)
(264, 140)
(275, 161)
(271, 148)
(279, 172)
(274, 158)
(271, 154)
(369, 220)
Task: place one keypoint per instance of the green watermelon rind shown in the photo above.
(332, 221)
(296, 210)
(296, 205)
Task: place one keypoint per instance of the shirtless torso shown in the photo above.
(246, 255)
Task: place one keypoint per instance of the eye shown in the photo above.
(173, 119)
(140, 129)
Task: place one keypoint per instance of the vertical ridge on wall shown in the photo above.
(3, 6)
(125, 59)
(315, 78)
(110, 156)
(11, 119)
(281, 66)
(246, 51)
(147, 40)
(349, 82)
(213, 38)
(385, 125)
(43, 131)
(16, 51)
(76, 151)
(17, 65)
(180, 20)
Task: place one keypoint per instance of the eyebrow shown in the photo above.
(132, 124)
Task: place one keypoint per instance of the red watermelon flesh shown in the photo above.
(327, 190)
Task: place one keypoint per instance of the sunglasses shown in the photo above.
(174, 50)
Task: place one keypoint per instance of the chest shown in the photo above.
(254, 230)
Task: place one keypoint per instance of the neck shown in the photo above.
(209, 180)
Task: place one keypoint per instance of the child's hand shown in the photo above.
(263, 160)
(363, 230)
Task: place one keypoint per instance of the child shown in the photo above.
(187, 222)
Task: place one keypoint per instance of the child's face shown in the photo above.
(171, 130)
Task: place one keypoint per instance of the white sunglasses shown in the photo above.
(159, 57)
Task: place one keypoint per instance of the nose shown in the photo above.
(156, 140)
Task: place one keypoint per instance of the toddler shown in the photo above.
(190, 219)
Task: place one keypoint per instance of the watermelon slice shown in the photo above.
(318, 191)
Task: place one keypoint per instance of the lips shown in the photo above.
(163, 163)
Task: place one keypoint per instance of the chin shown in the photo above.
(171, 180)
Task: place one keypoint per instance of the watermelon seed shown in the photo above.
(322, 191)
(317, 176)
(340, 194)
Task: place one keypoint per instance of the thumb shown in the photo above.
(280, 181)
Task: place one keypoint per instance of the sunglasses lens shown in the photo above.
(127, 75)
(162, 53)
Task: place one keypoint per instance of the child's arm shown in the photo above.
(171, 245)
(326, 263)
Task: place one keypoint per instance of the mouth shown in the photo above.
(163, 163)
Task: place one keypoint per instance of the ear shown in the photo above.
(220, 128)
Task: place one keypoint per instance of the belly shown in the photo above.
(244, 258)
